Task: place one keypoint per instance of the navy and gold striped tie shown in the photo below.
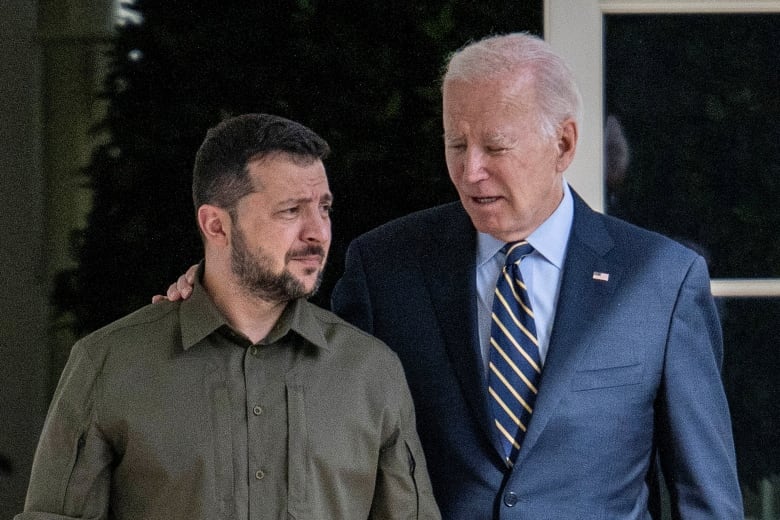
(515, 365)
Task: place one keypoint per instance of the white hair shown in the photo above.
(557, 94)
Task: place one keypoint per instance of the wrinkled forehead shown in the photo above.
(490, 107)
(514, 86)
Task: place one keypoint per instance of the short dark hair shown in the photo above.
(220, 175)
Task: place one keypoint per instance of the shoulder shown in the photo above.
(414, 236)
(363, 367)
(647, 244)
(348, 344)
(615, 237)
(139, 331)
(652, 266)
(438, 219)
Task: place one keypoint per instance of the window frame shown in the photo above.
(579, 39)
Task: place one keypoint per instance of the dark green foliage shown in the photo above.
(363, 75)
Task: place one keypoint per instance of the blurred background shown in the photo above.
(104, 105)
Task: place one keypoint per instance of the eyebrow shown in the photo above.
(500, 137)
(493, 137)
(327, 197)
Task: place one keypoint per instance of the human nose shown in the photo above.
(473, 165)
(316, 227)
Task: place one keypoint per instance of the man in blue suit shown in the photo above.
(628, 335)
(630, 394)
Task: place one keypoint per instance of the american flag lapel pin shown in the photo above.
(600, 277)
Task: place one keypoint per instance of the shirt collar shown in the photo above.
(199, 318)
(299, 318)
(198, 315)
(549, 239)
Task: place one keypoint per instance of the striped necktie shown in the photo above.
(515, 364)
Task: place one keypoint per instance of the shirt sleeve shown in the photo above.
(71, 473)
(403, 488)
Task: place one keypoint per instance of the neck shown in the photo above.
(246, 313)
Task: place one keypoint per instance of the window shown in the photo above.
(682, 135)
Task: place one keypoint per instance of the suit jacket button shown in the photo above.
(510, 499)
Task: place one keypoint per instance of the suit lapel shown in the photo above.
(576, 314)
(449, 273)
(450, 277)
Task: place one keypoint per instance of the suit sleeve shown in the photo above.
(695, 437)
(350, 298)
(71, 474)
(403, 488)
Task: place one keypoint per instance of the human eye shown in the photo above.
(497, 146)
(454, 142)
(289, 211)
(326, 209)
(500, 144)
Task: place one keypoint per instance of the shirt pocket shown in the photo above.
(223, 450)
(297, 504)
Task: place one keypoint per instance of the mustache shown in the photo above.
(310, 250)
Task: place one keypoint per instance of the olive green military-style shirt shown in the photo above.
(170, 414)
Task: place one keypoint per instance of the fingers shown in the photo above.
(173, 293)
(181, 289)
(186, 281)
(190, 274)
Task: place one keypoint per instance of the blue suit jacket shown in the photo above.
(631, 381)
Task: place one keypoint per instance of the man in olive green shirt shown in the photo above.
(245, 401)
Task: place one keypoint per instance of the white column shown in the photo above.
(74, 36)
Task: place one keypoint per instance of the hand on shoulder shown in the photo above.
(181, 289)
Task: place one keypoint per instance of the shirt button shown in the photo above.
(510, 499)
(257, 410)
(259, 474)
(254, 351)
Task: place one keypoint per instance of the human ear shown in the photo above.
(214, 223)
(567, 144)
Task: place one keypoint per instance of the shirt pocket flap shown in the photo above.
(607, 377)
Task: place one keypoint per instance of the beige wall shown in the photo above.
(23, 307)
(50, 68)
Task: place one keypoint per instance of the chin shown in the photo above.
(503, 234)
(489, 228)
(311, 282)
